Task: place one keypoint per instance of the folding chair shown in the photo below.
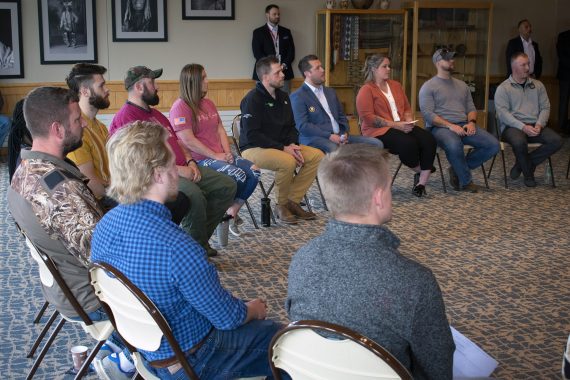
(303, 352)
(135, 317)
(100, 330)
(38, 318)
(495, 127)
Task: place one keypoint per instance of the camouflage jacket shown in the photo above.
(60, 199)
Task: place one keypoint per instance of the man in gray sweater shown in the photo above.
(523, 108)
(353, 274)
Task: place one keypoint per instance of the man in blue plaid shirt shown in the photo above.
(224, 337)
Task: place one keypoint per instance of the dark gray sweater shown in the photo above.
(353, 275)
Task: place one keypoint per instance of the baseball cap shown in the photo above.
(136, 73)
(444, 54)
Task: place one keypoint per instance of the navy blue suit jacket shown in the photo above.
(311, 119)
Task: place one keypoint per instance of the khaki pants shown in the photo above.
(288, 186)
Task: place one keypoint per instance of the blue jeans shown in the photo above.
(230, 354)
(527, 162)
(241, 172)
(327, 146)
(485, 146)
(5, 124)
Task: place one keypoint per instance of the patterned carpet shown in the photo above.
(500, 257)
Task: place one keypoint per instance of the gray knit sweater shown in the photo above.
(353, 275)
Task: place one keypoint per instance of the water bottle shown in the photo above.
(266, 212)
(222, 232)
(547, 173)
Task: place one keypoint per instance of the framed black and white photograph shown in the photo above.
(11, 53)
(208, 9)
(68, 31)
(139, 20)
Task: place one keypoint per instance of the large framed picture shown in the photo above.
(11, 52)
(139, 20)
(68, 31)
(208, 9)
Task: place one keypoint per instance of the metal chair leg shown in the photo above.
(491, 167)
(441, 172)
(568, 168)
(504, 168)
(85, 367)
(41, 312)
(396, 173)
(44, 350)
(321, 193)
(42, 334)
(251, 215)
(485, 176)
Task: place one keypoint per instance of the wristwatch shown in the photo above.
(191, 160)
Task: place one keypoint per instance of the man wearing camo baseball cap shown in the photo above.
(444, 54)
(136, 73)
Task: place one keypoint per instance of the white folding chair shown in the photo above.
(137, 320)
(99, 330)
(301, 351)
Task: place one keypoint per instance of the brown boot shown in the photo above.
(284, 214)
(298, 211)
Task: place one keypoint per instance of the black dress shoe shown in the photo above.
(419, 191)
(515, 171)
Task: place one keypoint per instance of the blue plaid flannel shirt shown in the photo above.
(164, 262)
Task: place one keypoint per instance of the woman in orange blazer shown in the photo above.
(385, 113)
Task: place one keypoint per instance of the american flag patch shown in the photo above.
(179, 120)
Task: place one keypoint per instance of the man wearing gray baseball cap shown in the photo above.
(451, 116)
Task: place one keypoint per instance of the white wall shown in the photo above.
(224, 47)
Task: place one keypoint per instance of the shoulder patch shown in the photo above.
(52, 179)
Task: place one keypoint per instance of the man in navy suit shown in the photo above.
(524, 44)
(273, 39)
(318, 113)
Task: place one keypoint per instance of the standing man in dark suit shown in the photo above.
(273, 39)
(524, 44)
(318, 113)
(563, 51)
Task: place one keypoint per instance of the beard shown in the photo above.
(99, 102)
(150, 99)
(71, 142)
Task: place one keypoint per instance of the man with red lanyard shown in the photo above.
(273, 39)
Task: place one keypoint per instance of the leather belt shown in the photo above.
(164, 363)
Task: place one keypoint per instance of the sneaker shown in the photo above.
(234, 230)
(298, 211)
(566, 361)
(453, 179)
(515, 171)
(105, 351)
(110, 369)
(472, 188)
(283, 214)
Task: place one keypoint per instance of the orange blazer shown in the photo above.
(371, 103)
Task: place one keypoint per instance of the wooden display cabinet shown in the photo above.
(345, 37)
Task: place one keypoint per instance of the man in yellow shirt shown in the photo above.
(87, 81)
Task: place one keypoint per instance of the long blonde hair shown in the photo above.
(191, 88)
